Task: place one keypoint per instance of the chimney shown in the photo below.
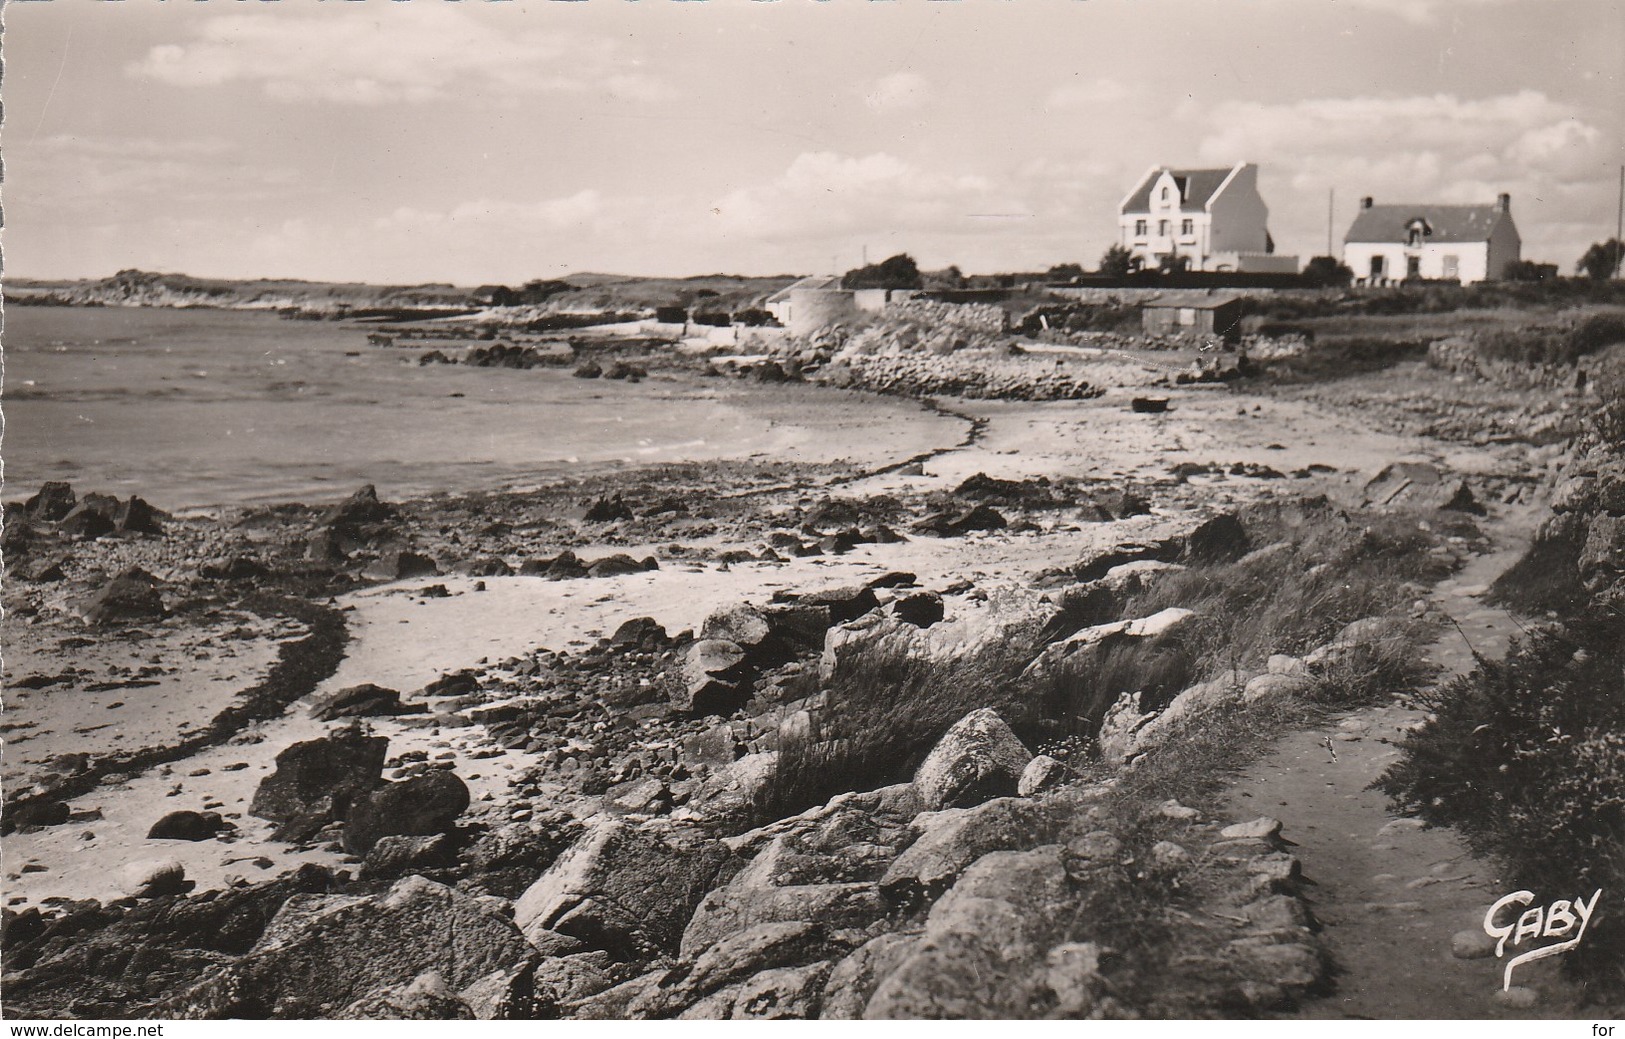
(1365, 203)
(1503, 203)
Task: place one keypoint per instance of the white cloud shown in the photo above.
(427, 54)
(899, 92)
(824, 195)
(1424, 148)
(66, 171)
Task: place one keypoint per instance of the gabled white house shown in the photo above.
(1215, 219)
(1387, 244)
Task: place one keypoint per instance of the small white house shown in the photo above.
(1393, 243)
(782, 303)
(1213, 219)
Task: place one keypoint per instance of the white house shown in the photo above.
(1215, 220)
(782, 303)
(1388, 244)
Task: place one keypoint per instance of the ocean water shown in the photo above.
(198, 408)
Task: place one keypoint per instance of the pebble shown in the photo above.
(1172, 809)
(1471, 945)
(1261, 828)
(1518, 997)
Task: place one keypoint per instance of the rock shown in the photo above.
(1518, 997)
(1096, 848)
(401, 564)
(1220, 539)
(921, 609)
(508, 994)
(798, 627)
(1277, 913)
(730, 910)
(855, 978)
(1172, 809)
(955, 838)
(395, 855)
(1419, 485)
(1276, 687)
(783, 993)
(977, 759)
(1282, 664)
(735, 959)
(357, 701)
(1073, 975)
(589, 370)
(955, 524)
(136, 516)
(361, 507)
(1602, 559)
(711, 672)
(132, 596)
(1167, 853)
(622, 889)
(1290, 965)
(741, 625)
(316, 781)
(54, 500)
(153, 878)
(617, 565)
(642, 632)
(1263, 828)
(35, 813)
(985, 940)
(322, 953)
(89, 519)
(425, 998)
(423, 805)
(1042, 773)
(1472, 944)
(844, 604)
(233, 568)
(187, 826)
(607, 510)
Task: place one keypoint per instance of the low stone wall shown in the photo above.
(976, 317)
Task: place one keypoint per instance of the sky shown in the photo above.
(481, 141)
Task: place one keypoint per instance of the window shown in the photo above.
(1376, 266)
(1162, 228)
(1413, 266)
(1187, 226)
(1165, 194)
(1452, 267)
(1139, 228)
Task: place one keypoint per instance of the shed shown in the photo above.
(1198, 313)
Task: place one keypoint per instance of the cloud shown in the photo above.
(585, 211)
(899, 92)
(428, 54)
(825, 195)
(67, 171)
(1424, 148)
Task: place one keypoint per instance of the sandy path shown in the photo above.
(1390, 893)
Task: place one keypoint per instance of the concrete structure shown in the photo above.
(1192, 313)
(1213, 219)
(1393, 243)
(782, 303)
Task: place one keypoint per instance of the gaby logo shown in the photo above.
(1558, 920)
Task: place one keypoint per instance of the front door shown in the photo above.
(1376, 267)
(1413, 266)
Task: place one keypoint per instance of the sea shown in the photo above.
(194, 409)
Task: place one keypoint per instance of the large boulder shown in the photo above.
(711, 678)
(359, 508)
(977, 759)
(323, 953)
(187, 825)
(854, 980)
(54, 500)
(91, 518)
(357, 701)
(984, 942)
(1221, 539)
(316, 781)
(1602, 559)
(423, 805)
(953, 839)
(622, 889)
(730, 910)
(136, 516)
(130, 597)
(1419, 485)
(426, 998)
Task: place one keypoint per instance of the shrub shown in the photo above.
(1526, 757)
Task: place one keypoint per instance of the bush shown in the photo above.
(1562, 343)
(1526, 757)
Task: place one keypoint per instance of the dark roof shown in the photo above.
(1194, 299)
(1199, 187)
(1448, 223)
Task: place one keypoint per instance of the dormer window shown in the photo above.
(1165, 194)
(1416, 232)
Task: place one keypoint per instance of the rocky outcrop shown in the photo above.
(1420, 485)
(623, 889)
(131, 597)
(323, 953)
(316, 781)
(422, 805)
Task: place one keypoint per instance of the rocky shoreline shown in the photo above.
(556, 722)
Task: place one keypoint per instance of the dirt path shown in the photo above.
(1389, 893)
